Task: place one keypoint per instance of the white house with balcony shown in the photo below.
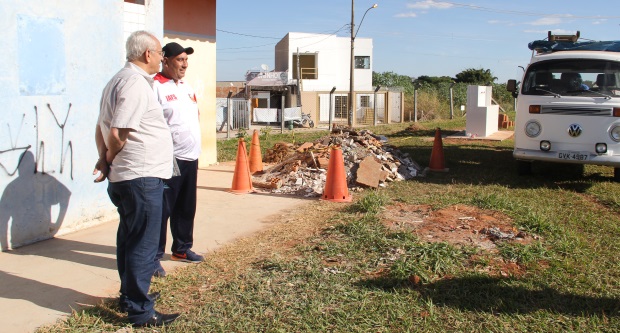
(308, 67)
(323, 61)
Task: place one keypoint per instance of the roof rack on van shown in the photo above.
(563, 38)
(554, 43)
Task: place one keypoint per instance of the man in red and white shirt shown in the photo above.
(181, 113)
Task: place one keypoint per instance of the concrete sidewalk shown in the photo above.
(41, 283)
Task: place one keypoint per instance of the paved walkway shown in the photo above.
(41, 283)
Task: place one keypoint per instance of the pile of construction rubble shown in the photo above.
(302, 169)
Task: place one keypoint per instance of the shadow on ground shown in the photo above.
(497, 295)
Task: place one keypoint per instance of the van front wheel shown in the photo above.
(524, 168)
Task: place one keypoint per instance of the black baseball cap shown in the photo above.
(173, 49)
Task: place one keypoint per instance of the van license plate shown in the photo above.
(573, 155)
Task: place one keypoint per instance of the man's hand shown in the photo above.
(102, 168)
(116, 142)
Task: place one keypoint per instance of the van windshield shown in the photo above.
(573, 77)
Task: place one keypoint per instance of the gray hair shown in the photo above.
(138, 42)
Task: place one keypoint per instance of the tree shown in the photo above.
(424, 80)
(475, 76)
(391, 79)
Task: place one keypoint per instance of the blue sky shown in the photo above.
(413, 38)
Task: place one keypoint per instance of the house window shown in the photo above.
(365, 101)
(341, 107)
(362, 62)
(307, 66)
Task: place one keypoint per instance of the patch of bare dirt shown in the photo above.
(416, 127)
(462, 225)
(457, 225)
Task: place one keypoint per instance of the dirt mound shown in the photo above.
(416, 127)
(458, 225)
(462, 225)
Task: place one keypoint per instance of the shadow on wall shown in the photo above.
(27, 202)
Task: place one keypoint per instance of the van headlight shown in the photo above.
(614, 133)
(533, 128)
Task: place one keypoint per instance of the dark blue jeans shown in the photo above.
(139, 203)
(180, 207)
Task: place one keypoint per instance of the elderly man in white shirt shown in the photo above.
(135, 155)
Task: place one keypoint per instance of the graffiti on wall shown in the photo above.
(34, 204)
(66, 149)
(14, 149)
(40, 145)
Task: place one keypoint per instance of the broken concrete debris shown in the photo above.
(301, 169)
(494, 233)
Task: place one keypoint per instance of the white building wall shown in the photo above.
(363, 77)
(334, 55)
(60, 55)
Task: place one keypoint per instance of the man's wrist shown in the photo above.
(103, 158)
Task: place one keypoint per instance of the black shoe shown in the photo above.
(159, 319)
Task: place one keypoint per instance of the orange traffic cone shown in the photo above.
(256, 159)
(242, 180)
(437, 160)
(336, 184)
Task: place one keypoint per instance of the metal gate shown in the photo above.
(338, 107)
(240, 115)
(371, 109)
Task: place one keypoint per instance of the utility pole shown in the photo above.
(352, 69)
(298, 80)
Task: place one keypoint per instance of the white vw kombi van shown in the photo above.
(568, 104)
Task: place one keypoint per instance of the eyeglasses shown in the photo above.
(161, 53)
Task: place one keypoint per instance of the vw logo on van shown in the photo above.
(574, 130)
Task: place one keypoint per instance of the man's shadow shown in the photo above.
(487, 294)
(42, 294)
(27, 216)
(27, 201)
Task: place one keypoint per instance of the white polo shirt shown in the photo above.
(128, 101)
(181, 113)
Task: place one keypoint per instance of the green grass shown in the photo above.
(349, 273)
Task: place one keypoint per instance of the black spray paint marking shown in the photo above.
(40, 148)
(14, 148)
